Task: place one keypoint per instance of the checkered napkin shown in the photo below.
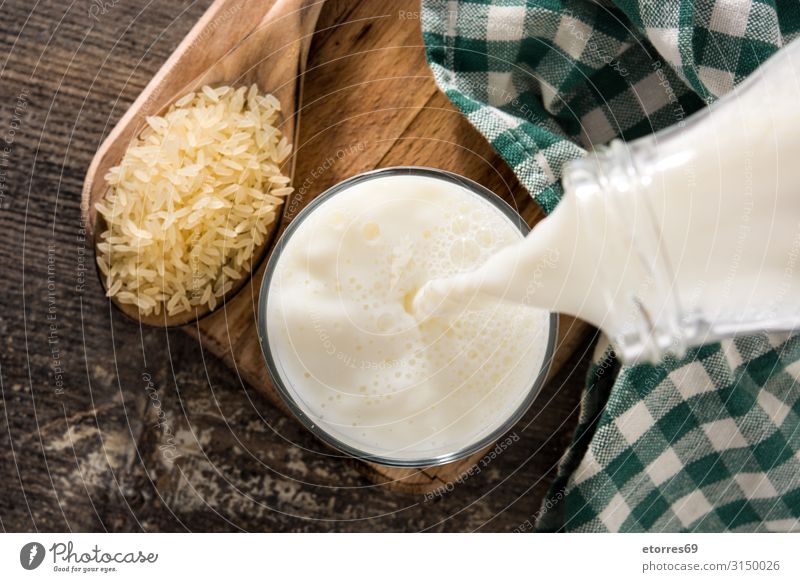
(708, 442)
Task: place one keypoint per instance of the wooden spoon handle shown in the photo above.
(273, 56)
(221, 28)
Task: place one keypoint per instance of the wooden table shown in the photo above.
(108, 426)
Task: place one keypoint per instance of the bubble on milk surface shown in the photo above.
(414, 372)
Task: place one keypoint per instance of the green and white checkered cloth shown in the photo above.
(709, 442)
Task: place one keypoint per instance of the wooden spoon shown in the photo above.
(236, 42)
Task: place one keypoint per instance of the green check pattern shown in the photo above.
(709, 442)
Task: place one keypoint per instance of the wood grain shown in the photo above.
(91, 457)
(371, 102)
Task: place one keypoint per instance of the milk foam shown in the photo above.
(358, 362)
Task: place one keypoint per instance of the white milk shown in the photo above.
(687, 236)
(356, 360)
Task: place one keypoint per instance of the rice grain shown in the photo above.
(192, 199)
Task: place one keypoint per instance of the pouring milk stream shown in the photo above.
(681, 238)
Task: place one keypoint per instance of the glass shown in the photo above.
(283, 384)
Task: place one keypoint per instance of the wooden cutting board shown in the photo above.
(370, 102)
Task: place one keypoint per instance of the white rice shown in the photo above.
(192, 200)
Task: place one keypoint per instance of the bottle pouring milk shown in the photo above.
(681, 238)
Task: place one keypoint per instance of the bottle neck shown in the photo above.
(597, 256)
(632, 295)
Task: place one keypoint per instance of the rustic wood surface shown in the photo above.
(109, 426)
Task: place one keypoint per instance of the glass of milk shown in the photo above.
(348, 355)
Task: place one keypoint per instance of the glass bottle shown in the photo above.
(685, 237)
